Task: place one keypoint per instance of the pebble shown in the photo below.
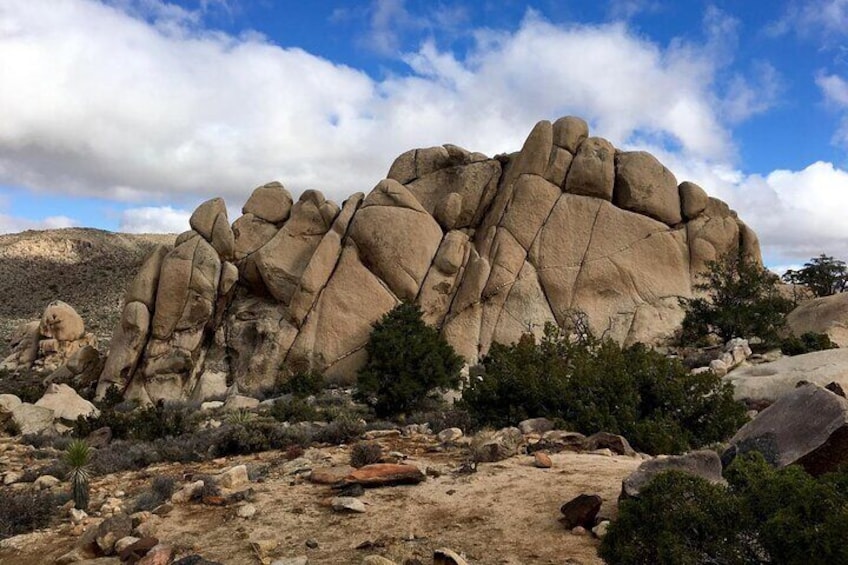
(347, 504)
(246, 511)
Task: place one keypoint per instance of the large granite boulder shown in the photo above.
(825, 315)
(705, 464)
(490, 248)
(808, 426)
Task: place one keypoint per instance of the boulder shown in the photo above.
(693, 200)
(535, 426)
(8, 402)
(644, 185)
(592, 172)
(270, 202)
(31, 419)
(769, 381)
(581, 511)
(824, 315)
(569, 132)
(807, 426)
(605, 440)
(61, 322)
(705, 464)
(66, 404)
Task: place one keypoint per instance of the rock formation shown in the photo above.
(48, 343)
(489, 248)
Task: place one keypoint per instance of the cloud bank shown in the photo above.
(137, 102)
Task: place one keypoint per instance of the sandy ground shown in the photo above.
(505, 513)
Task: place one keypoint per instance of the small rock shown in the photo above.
(616, 443)
(234, 477)
(347, 504)
(311, 544)
(211, 405)
(535, 426)
(124, 543)
(601, 529)
(542, 460)
(300, 560)
(187, 492)
(45, 482)
(138, 549)
(449, 435)
(77, 516)
(330, 475)
(159, 555)
(377, 560)
(240, 402)
(377, 434)
(578, 531)
(445, 556)
(12, 477)
(246, 511)
(163, 509)
(385, 474)
(581, 511)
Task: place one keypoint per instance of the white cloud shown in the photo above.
(14, 224)
(154, 219)
(826, 20)
(835, 91)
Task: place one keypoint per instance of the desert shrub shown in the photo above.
(407, 361)
(593, 385)
(261, 435)
(365, 453)
(742, 300)
(342, 429)
(302, 384)
(438, 420)
(41, 441)
(123, 455)
(806, 343)
(160, 491)
(164, 419)
(294, 410)
(78, 458)
(25, 384)
(25, 511)
(764, 515)
(823, 275)
(210, 487)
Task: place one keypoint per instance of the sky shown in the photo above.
(126, 114)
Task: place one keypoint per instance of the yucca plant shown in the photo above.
(240, 417)
(78, 457)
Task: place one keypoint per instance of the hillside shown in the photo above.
(86, 268)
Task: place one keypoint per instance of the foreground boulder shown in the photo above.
(758, 384)
(66, 403)
(487, 247)
(705, 464)
(808, 426)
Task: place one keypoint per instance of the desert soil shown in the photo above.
(505, 513)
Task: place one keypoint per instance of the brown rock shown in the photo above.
(385, 474)
(330, 475)
(138, 549)
(581, 511)
(693, 200)
(542, 460)
(569, 132)
(270, 202)
(615, 443)
(158, 555)
(592, 172)
(61, 322)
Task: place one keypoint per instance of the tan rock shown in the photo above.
(644, 185)
(250, 233)
(592, 172)
(126, 347)
(827, 315)
(66, 403)
(61, 322)
(533, 199)
(270, 202)
(475, 184)
(558, 166)
(385, 474)
(204, 217)
(693, 200)
(31, 419)
(569, 132)
(24, 344)
(143, 286)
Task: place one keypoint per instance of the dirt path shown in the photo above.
(505, 513)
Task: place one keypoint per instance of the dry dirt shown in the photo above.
(505, 513)
(87, 268)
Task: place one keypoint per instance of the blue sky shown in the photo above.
(125, 114)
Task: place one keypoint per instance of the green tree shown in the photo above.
(407, 360)
(742, 300)
(823, 275)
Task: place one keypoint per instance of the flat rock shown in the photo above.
(808, 426)
(31, 419)
(66, 403)
(385, 474)
(330, 475)
(705, 464)
(827, 315)
(347, 504)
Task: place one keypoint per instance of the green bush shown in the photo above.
(764, 515)
(742, 300)
(294, 410)
(302, 384)
(807, 343)
(164, 419)
(595, 385)
(407, 360)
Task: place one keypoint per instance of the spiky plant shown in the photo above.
(78, 457)
(240, 417)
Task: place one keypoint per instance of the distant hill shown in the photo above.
(87, 268)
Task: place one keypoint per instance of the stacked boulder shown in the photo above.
(46, 344)
(489, 248)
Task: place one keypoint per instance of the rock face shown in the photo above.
(48, 343)
(827, 315)
(808, 426)
(489, 249)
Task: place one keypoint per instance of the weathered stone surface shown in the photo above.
(31, 419)
(827, 315)
(770, 381)
(644, 185)
(605, 440)
(569, 132)
(693, 200)
(66, 403)
(270, 202)
(24, 344)
(445, 556)
(385, 474)
(705, 464)
(807, 426)
(488, 248)
(592, 172)
(61, 322)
